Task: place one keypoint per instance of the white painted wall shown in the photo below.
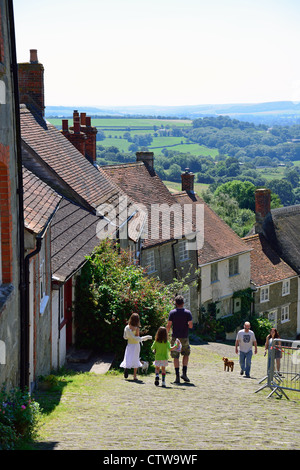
(226, 285)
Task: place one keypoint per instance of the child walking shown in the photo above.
(132, 352)
(162, 346)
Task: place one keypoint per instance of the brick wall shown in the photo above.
(6, 215)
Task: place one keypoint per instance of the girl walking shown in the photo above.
(132, 352)
(162, 346)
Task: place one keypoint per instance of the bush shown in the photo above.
(108, 291)
(8, 437)
(19, 416)
(261, 328)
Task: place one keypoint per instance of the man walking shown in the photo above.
(180, 319)
(245, 340)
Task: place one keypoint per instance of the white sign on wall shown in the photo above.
(2, 93)
(2, 352)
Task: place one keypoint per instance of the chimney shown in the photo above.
(146, 157)
(31, 84)
(90, 132)
(187, 181)
(74, 134)
(262, 207)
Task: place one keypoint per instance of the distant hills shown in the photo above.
(275, 112)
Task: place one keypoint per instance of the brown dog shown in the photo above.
(228, 364)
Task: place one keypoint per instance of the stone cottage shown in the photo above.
(280, 230)
(275, 285)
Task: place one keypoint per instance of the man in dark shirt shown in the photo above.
(180, 319)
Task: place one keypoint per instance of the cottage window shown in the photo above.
(233, 266)
(272, 317)
(286, 287)
(264, 294)
(285, 313)
(214, 272)
(183, 251)
(150, 262)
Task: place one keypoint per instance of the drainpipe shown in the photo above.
(22, 287)
(174, 259)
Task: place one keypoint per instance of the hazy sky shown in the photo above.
(162, 52)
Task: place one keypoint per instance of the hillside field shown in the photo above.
(114, 130)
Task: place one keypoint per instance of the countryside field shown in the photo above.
(160, 130)
(114, 130)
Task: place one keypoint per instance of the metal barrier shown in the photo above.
(283, 371)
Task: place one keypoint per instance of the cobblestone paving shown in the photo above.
(217, 411)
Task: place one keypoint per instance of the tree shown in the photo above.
(174, 172)
(242, 191)
(284, 190)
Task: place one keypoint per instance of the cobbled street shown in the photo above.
(217, 410)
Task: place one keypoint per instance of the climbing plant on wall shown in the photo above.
(108, 291)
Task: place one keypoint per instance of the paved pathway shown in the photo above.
(217, 410)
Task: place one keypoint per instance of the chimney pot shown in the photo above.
(76, 127)
(33, 56)
(65, 125)
(83, 119)
(88, 121)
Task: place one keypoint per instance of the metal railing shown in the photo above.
(283, 372)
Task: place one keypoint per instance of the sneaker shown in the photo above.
(242, 372)
(156, 381)
(185, 378)
(163, 384)
(126, 373)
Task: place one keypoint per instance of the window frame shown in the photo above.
(214, 276)
(183, 251)
(284, 291)
(233, 266)
(150, 263)
(262, 295)
(285, 314)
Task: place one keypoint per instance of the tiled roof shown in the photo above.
(266, 266)
(220, 241)
(143, 185)
(52, 148)
(73, 237)
(55, 160)
(40, 202)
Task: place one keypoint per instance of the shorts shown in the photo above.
(161, 363)
(185, 350)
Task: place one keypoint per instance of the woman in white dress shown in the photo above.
(132, 352)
